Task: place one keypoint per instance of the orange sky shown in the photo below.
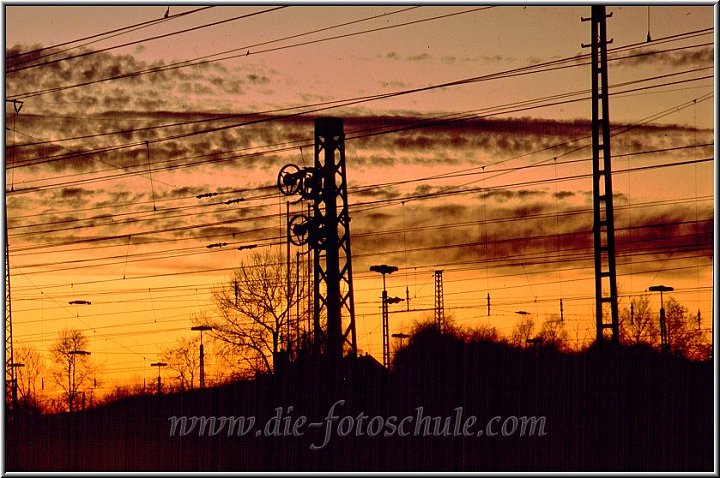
(143, 262)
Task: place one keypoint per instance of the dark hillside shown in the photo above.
(609, 409)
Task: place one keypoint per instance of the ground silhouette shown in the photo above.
(608, 408)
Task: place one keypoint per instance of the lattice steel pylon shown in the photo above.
(332, 258)
(327, 232)
(439, 302)
(10, 374)
(603, 214)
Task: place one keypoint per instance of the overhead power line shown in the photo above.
(144, 40)
(189, 63)
(296, 144)
(57, 48)
(360, 205)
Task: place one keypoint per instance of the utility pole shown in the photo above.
(439, 302)
(603, 214)
(201, 329)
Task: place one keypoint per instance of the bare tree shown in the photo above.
(28, 375)
(183, 358)
(522, 332)
(257, 317)
(637, 324)
(120, 392)
(483, 333)
(71, 370)
(684, 337)
(553, 333)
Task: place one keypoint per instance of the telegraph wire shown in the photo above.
(358, 189)
(426, 123)
(360, 206)
(553, 62)
(187, 63)
(157, 37)
(95, 36)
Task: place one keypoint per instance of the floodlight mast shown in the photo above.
(664, 344)
(201, 329)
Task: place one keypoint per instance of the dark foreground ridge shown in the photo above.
(605, 409)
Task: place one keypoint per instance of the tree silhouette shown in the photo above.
(183, 358)
(637, 324)
(522, 331)
(684, 336)
(256, 319)
(71, 371)
(28, 376)
(553, 333)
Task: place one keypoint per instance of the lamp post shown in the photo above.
(664, 345)
(71, 395)
(528, 340)
(385, 269)
(400, 336)
(14, 385)
(159, 383)
(71, 375)
(201, 329)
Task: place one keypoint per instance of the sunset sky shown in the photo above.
(478, 164)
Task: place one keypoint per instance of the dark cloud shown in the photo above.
(421, 57)
(258, 79)
(383, 192)
(424, 189)
(686, 58)
(394, 84)
(563, 195)
(172, 89)
(503, 233)
(74, 193)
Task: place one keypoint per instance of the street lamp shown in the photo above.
(71, 375)
(14, 383)
(401, 336)
(385, 269)
(528, 340)
(201, 328)
(664, 345)
(159, 383)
